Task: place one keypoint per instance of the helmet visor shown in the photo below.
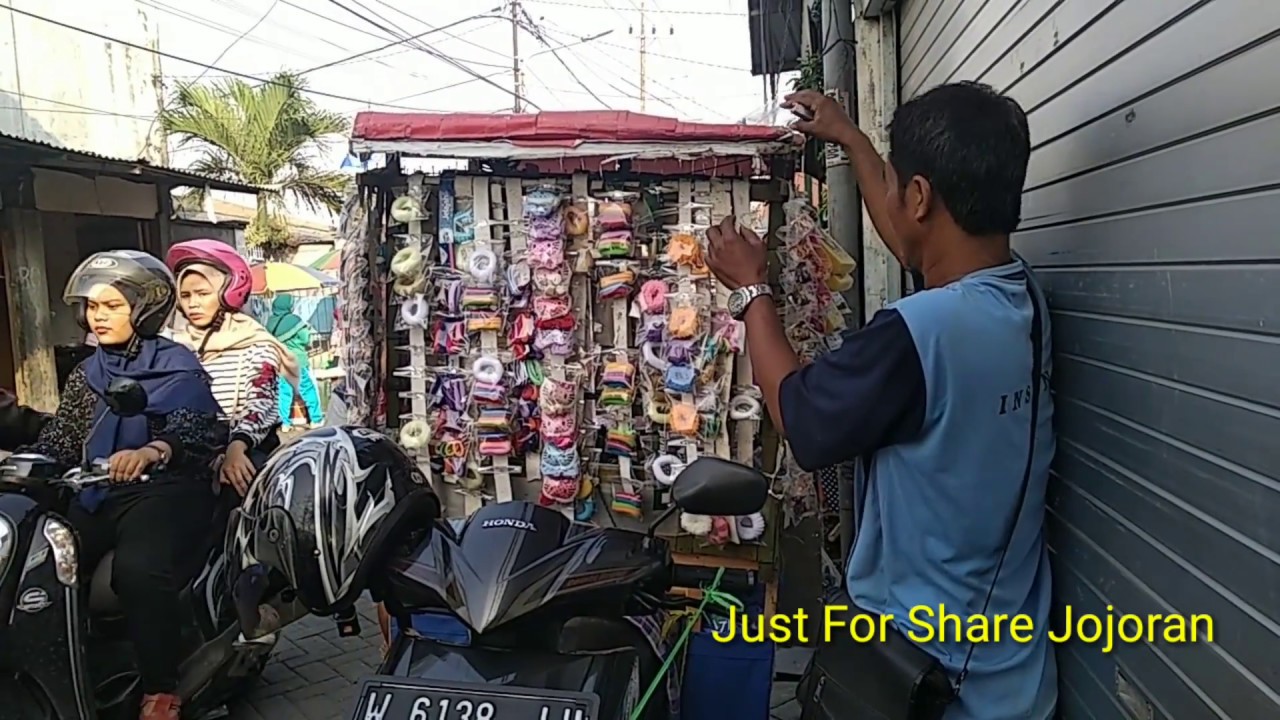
(98, 285)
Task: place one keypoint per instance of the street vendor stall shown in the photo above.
(541, 326)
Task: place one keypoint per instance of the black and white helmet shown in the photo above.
(325, 507)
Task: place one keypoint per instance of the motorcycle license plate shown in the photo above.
(392, 698)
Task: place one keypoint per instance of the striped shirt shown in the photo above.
(246, 387)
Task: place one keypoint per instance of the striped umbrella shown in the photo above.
(328, 262)
(278, 277)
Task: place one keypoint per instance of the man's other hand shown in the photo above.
(830, 121)
(736, 256)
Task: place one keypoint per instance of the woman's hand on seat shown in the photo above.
(237, 470)
(129, 465)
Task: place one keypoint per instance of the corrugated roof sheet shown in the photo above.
(125, 168)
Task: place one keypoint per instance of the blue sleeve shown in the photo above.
(868, 394)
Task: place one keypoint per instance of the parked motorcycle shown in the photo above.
(545, 599)
(64, 652)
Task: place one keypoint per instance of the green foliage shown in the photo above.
(268, 135)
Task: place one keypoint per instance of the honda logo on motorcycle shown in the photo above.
(33, 601)
(508, 523)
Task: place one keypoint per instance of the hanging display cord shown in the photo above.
(710, 594)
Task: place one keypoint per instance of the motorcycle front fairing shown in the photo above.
(516, 560)
(47, 622)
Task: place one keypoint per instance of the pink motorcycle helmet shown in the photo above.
(239, 282)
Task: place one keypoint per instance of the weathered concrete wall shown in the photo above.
(77, 90)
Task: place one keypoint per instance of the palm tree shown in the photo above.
(267, 135)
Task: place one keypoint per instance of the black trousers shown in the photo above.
(161, 537)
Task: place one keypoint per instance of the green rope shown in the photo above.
(710, 596)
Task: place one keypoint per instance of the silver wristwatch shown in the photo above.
(741, 299)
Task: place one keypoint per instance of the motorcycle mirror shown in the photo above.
(712, 486)
(126, 397)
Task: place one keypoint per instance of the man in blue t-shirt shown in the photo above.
(933, 393)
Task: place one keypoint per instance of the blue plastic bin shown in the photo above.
(726, 680)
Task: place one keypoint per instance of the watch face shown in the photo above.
(737, 299)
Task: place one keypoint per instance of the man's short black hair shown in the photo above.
(972, 145)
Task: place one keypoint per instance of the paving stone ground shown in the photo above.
(314, 674)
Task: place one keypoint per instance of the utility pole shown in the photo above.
(844, 207)
(644, 54)
(517, 76)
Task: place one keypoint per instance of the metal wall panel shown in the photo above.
(1152, 215)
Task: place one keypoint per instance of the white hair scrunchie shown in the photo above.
(482, 265)
(407, 263)
(750, 527)
(666, 468)
(488, 369)
(404, 209)
(744, 407)
(414, 311)
(415, 435)
(699, 525)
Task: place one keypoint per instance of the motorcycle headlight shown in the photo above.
(7, 541)
(63, 544)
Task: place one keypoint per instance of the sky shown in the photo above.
(697, 67)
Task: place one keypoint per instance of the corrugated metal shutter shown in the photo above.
(1152, 214)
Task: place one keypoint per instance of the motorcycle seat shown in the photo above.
(102, 599)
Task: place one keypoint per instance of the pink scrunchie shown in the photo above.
(653, 297)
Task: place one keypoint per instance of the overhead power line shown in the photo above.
(609, 6)
(401, 41)
(189, 61)
(434, 53)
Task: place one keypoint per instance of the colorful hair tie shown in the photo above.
(560, 462)
(449, 392)
(684, 419)
(559, 490)
(494, 446)
(546, 253)
(612, 215)
(564, 322)
(620, 441)
(654, 329)
(551, 281)
(556, 343)
(520, 331)
(448, 336)
(547, 308)
(683, 322)
(449, 296)
(626, 503)
(680, 379)
(684, 250)
(489, 393)
(576, 221)
(614, 244)
(680, 352)
(540, 203)
(480, 298)
(484, 322)
(653, 297)
(556, 397)
(616, 286)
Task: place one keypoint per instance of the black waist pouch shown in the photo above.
(887, 678)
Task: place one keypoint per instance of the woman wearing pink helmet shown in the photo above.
(242, 358)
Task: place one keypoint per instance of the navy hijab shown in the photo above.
(170, 373)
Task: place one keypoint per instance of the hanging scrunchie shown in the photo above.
(576, 221)
(699, 525)
(653, 297)
(415, 435)
(665, 468)
(414, 311)
(649, 353)
(680, 379)
(404, 209)
(744, 407)
(487, 369)
(407, 263)
(482, 265)
(750, 527)
(409, 286)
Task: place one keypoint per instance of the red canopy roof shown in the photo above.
(554, 129)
